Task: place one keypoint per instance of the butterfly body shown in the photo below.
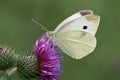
(75, 36)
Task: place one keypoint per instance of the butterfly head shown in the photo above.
(51, 35)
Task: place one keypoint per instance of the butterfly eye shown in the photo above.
(85, 27)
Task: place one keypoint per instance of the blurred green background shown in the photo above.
(18, 31)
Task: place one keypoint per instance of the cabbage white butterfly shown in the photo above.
(75, 36)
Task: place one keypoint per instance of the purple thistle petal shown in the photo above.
(48, 59)
(3, 49)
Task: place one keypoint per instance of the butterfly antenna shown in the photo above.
(42, 27)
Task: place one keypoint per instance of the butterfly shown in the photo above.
(75, 36)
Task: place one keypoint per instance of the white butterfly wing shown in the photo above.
(73, 17)
(75, 35)
(89, 21)
(75, 43)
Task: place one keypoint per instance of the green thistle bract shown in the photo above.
(6, 59)
(27, 67)
(18, 67)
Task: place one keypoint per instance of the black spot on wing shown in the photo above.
(85, 27)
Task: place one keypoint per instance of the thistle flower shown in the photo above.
(49, 61)
(6, 58)
(18, 67)
(3, 49)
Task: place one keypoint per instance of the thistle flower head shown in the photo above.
(17, 67)
(3, 49)
(48, 58)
